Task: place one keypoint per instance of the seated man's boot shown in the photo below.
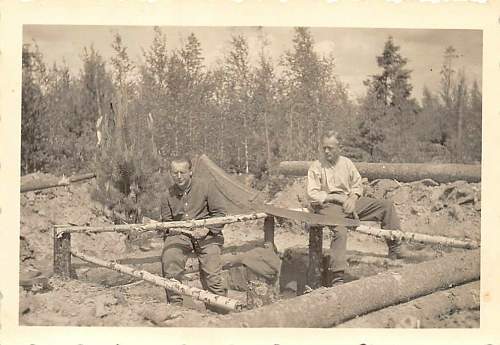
(334, 278)
(396, 250)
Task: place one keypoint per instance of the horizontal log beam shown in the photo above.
(222, 302)
(403, 172)
(430, 307)
(411, 236)
(416, 237)
(53, 182)
(163, 226)
(331, 306)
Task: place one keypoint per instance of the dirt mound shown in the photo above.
(71, 205)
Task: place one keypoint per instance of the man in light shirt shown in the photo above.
(335, 188)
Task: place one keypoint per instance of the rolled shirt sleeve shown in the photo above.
(314, 190)
(356, 182)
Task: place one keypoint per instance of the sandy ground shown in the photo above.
(101, 298)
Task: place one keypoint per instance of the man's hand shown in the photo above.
(350, 204)
(200, 233)
(336, 198)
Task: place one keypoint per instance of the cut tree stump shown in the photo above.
(62, 253)
(403, 172)
(328, 307)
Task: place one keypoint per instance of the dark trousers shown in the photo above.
(367, 209)
(174, 257)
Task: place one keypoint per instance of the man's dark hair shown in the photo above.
(182, 159)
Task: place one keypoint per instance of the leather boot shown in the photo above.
(334, 278)
(396, 250)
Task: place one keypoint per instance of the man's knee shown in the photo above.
(172, 261)
(339, 233)
(386, 204)
(210, 261)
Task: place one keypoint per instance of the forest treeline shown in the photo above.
(124, 118)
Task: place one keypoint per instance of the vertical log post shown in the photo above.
(269, 230)
(315, 256)
(62, 254)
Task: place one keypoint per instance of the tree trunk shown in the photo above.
(53, 182)
(221, 138)
(424, 310)
(332, 306)
(403, 172)
(176, 135)
(245, 130)
(290, 135)
(268, 145)
(459, 157)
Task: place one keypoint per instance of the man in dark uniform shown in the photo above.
(189, 199)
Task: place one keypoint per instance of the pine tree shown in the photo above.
(388, 112)
(33, 106)
(154, 97)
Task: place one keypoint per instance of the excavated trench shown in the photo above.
(104, 297)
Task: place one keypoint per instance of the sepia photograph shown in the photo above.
(250, 176)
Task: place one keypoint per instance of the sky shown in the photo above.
(354, 49)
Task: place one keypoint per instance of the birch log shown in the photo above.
(186, 224)
(416, 237)
(171, 284)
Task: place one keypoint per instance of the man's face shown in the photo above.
(181, 174)
(331, 149)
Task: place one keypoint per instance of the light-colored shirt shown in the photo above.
(324, 178)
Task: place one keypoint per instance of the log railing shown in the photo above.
(225, 303)
(63, 251)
